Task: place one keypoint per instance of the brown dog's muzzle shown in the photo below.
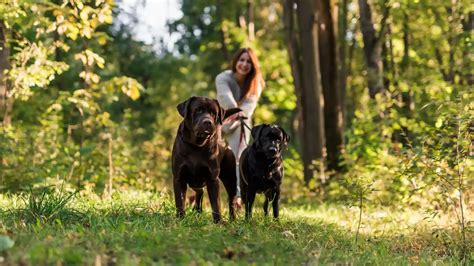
(204, 127)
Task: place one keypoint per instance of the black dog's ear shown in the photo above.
(256, 132)
(286, 137)
(183, 107)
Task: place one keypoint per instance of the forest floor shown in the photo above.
(140, 228)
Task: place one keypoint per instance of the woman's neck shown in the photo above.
(240, 79)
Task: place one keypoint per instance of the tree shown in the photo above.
(250, 19)
(294, 57)
(312, 52)
(333, 116)
(342, 22)
(311, 91)
(5, 99)
(373, 42)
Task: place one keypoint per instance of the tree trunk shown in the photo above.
(467, 75)
(348, 101)
(109, 187)
(408, 106)
(4, 65)
(342, 72)
(407, 96)
(448, 71)
(250, 19)
(294, 57)
(59, 81)
(6, 100)
(312, 102)
(372, 48)
(222, 32)
(333, 118)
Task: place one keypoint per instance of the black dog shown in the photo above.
(200, 157)
(261, 167)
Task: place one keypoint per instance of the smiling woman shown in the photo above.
(240, 86)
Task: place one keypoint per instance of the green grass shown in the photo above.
(141, 228)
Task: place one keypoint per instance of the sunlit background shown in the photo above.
(148, 19)
(88, 96)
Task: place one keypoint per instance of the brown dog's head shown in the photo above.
(269, 139)
(202, 116)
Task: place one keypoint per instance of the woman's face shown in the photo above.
(244, 64)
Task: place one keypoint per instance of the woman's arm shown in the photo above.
(224, 93)
(226, 99)
(248, 105)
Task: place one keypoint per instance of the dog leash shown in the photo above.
(242, 121)
(243, 137)
(243, 125)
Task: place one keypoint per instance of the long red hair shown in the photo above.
(254, 78)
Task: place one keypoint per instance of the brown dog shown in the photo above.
(200, 156)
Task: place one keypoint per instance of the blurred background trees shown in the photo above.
(376, 94)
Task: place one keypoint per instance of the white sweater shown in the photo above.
(228, 95)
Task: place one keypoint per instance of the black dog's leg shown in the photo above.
(275, 204)
(250, 198)
(265, 205)
(198, 202)
(179, 198)
(213, 191)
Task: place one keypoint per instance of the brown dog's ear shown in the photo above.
(220, 113)
(286, 137)
(256, 132)
(183, 107)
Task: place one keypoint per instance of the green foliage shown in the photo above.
(384, 136)
(140, 227)
(59, 132)
(91, 104)
(441, 162)
(47, 205)
(6, 243)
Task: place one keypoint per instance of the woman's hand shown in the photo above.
(237, 202)
(235, 117)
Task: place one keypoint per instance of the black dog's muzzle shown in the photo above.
(272, 152)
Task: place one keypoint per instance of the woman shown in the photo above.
(241, 86)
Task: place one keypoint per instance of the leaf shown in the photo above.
(6, 243)
(288, 234)
(87, 149)
(426, 105)
(132, 88)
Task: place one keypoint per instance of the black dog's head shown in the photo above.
(269, 139)
(202, 116)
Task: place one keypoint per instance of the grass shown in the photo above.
(137, 227)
